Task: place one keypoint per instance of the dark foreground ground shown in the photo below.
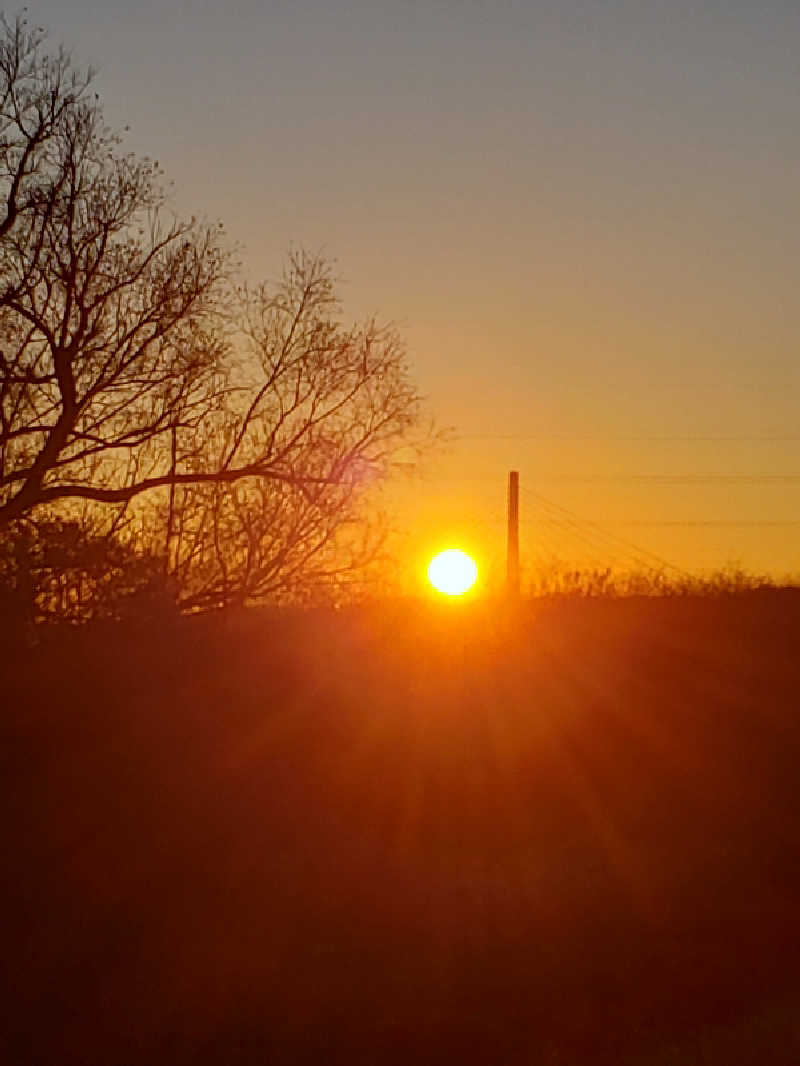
(408, 836)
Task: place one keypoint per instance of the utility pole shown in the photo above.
(512, 556)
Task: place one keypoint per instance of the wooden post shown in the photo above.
(512, 556)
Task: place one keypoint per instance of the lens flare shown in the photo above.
(452, 572)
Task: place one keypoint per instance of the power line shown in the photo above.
(593, 536)
(662, 479)
(672, 479)
(599, 553)
(702, 522)
(666, 438)
(577, 520)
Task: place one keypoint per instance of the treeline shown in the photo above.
(56, 572)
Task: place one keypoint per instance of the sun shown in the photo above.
(452, 572)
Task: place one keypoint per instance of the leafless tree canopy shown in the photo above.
(246, 421)
(322, 407)
(107, 306)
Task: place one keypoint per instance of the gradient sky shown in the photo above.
(583, 215)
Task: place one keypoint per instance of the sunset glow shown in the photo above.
(452, 572)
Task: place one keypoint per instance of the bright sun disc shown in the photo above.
(452, 572)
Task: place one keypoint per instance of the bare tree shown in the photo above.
(134, 372)
(332, 408)
(108, 337)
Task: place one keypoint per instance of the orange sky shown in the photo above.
(582, 215)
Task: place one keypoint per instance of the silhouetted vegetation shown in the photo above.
(608, 582)
(55, 573)
(241, 426)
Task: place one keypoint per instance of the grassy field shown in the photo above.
(567, 835)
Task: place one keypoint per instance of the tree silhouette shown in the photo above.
(130, 362)
(325, 403)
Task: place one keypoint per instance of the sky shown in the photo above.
(583, 216)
